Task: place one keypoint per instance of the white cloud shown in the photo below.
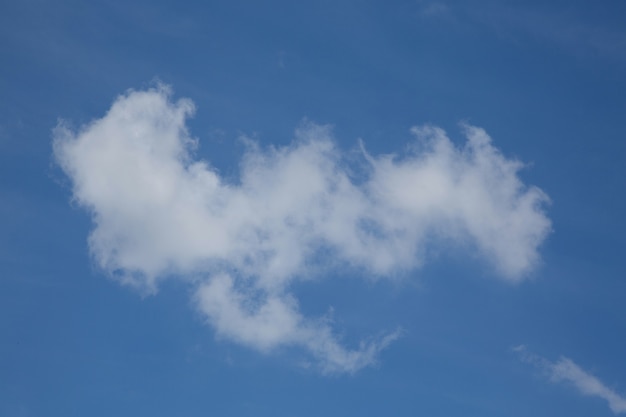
(565, 370)
(273, 320)
(159, 213)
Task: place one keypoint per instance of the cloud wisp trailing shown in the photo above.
(159, 213)
(565, 370)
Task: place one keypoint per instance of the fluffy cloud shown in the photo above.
(160, 213)
(565, 370)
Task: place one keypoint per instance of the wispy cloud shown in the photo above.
(569, 28)
(432, 8)
(160, 213)
(562, 27)
(566, 371)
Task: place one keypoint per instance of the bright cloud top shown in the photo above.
(160, 213)
(565, 370)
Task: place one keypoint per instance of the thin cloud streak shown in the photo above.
(573, 33)
(566, 371)
(160, 214)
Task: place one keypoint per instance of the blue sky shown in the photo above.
(339, 208)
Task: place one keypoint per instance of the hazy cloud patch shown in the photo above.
(433, 8)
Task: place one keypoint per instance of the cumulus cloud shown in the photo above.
(566, 371)
(160, 213)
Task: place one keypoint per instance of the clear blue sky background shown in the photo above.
(546, 79)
